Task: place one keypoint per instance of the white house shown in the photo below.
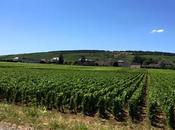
(15, 59)
(55, 59)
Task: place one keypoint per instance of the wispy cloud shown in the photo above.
(157, 31)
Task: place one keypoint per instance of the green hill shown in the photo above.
(96, 55)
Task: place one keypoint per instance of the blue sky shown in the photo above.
(46, 25)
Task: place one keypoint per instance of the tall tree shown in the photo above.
(83, 59)
(61, 59)
(138, 59)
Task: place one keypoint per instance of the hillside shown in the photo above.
(95, 55)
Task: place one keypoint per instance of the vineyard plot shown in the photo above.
(123, 94)
(161, 98)
(89, 92)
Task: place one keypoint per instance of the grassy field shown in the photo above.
(57, 67)
(79, 98)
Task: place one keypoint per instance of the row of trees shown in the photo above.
(144, 61)
(149, 62)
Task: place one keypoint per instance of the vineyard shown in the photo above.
(120, 93)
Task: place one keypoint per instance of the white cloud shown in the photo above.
(157, 31)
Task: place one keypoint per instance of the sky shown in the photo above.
(48, 25)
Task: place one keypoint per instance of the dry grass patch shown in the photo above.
(25, 118)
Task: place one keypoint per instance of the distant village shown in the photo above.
(81, 61)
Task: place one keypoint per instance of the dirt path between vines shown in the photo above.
(159, 118)
(143, 104)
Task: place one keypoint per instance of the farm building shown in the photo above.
(121, 63)
(86, 62)
(54, 60)
(44, 61)
(15, 59)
